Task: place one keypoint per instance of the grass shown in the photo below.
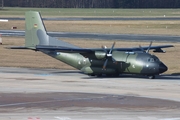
(28, 58)
(72, 12)
(112, 27)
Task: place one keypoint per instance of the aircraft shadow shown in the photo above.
(174, 76)
(65, 72)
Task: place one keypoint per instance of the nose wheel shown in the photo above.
(151, 76)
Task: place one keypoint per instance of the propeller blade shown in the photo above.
(147, 51)
(104, 48)
(112, 48)
(108, 54)
(113, 59)
(141, 48)
(105, 63)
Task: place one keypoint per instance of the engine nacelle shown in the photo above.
(100, 54)
(159, 50)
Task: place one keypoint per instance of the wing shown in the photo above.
(86, 51)
(158, 48)
(92, 50)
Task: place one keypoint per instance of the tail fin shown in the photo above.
(35, 32)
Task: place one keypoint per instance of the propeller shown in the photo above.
(147, 51)
(108, 55)
(141, 48)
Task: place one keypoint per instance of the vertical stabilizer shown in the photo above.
(35, 31)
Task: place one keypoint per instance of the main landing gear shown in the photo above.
(151, 76)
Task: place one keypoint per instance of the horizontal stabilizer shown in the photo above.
(19, 47)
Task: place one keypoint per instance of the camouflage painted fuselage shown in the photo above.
(129, 63)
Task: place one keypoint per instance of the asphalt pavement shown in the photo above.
(54, 94)
(130, 37)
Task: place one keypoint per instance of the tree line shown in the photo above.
(93, 3)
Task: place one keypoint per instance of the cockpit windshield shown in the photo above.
(153, 59)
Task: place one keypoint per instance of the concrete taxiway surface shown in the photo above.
(130, 37)
(53, 94)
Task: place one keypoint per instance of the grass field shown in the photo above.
(58, 12)
(109, 27)
(129, 27)
(114, 27)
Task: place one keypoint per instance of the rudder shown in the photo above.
(35, 31)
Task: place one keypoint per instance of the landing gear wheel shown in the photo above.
(151, 77)
(108, 75)
(91, 74)
(99, 75)
(115, 75)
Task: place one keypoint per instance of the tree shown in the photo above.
(2, 4)
(93, 3)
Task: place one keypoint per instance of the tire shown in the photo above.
(151, 77)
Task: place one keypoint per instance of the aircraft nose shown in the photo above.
(162, 68)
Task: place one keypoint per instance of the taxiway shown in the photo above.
(129, 37)
(53, 94)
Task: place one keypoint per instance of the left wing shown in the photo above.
(158, 48)
(92, 50)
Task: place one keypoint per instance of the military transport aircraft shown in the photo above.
(95, 62)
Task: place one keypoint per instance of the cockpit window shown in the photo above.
(153, 59)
